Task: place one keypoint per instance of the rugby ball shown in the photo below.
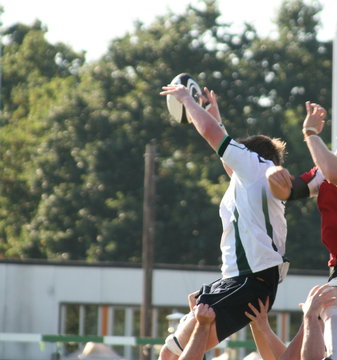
(176, 108)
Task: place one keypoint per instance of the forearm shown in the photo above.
(323, 158)
(293, 351)
(196, 346)
(313, 343)
(268, 344)
(281, 192)
(205, 124)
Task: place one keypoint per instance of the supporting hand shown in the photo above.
(259, 318)
(192, 299)
(279, 180)
(204, 314)
(318, 298)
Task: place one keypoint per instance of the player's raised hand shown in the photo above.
(211, 104)
(179, 91)
(204, 314)
(318, 298)
(315, 118)
(192, 299)
(259, 317)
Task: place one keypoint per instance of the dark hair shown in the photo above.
(269, 148)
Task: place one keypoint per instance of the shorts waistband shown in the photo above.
(270, 276)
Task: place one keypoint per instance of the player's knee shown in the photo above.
(172, 344)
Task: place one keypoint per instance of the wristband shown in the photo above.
(309, 131)
(313, 129)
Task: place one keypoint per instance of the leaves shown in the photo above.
(73, 135)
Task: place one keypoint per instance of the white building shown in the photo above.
(40, 297)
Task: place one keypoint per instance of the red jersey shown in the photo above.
(327, 204)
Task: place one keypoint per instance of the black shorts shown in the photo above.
(229, 298)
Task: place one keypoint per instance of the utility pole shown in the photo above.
(147, 253)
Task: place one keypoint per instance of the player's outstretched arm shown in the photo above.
(207, 126)
(267, 342)
(213, 109)
(313, 341)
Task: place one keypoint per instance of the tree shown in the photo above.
(75, 181)
(33, 81)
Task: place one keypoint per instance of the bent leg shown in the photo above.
(175, 343)
(185, 329)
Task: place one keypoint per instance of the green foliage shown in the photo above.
(73, 135)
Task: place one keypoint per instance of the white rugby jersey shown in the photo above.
(254, 226)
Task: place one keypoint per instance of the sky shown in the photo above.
(90, 25)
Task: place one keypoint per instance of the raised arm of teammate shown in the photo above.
(268, 344)
(324, 159)
(196, 346)
(318, 298)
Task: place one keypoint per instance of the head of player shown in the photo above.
(269, 148)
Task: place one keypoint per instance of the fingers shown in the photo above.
(194, 294)
(180, 92)
(318, 110)
(171, 88)
(285, 179)
(308, 107)
(192, 299)
(206, 100)
(315, 289)
(207, 92)
(280, 176)
(203, 98)
(255, 314)
(210, 96)
(250, 316)
(204, 313)
(315, 115)
(263, 309)
(254, 309)
(327, 291)
(266, 304)
(318, 298)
